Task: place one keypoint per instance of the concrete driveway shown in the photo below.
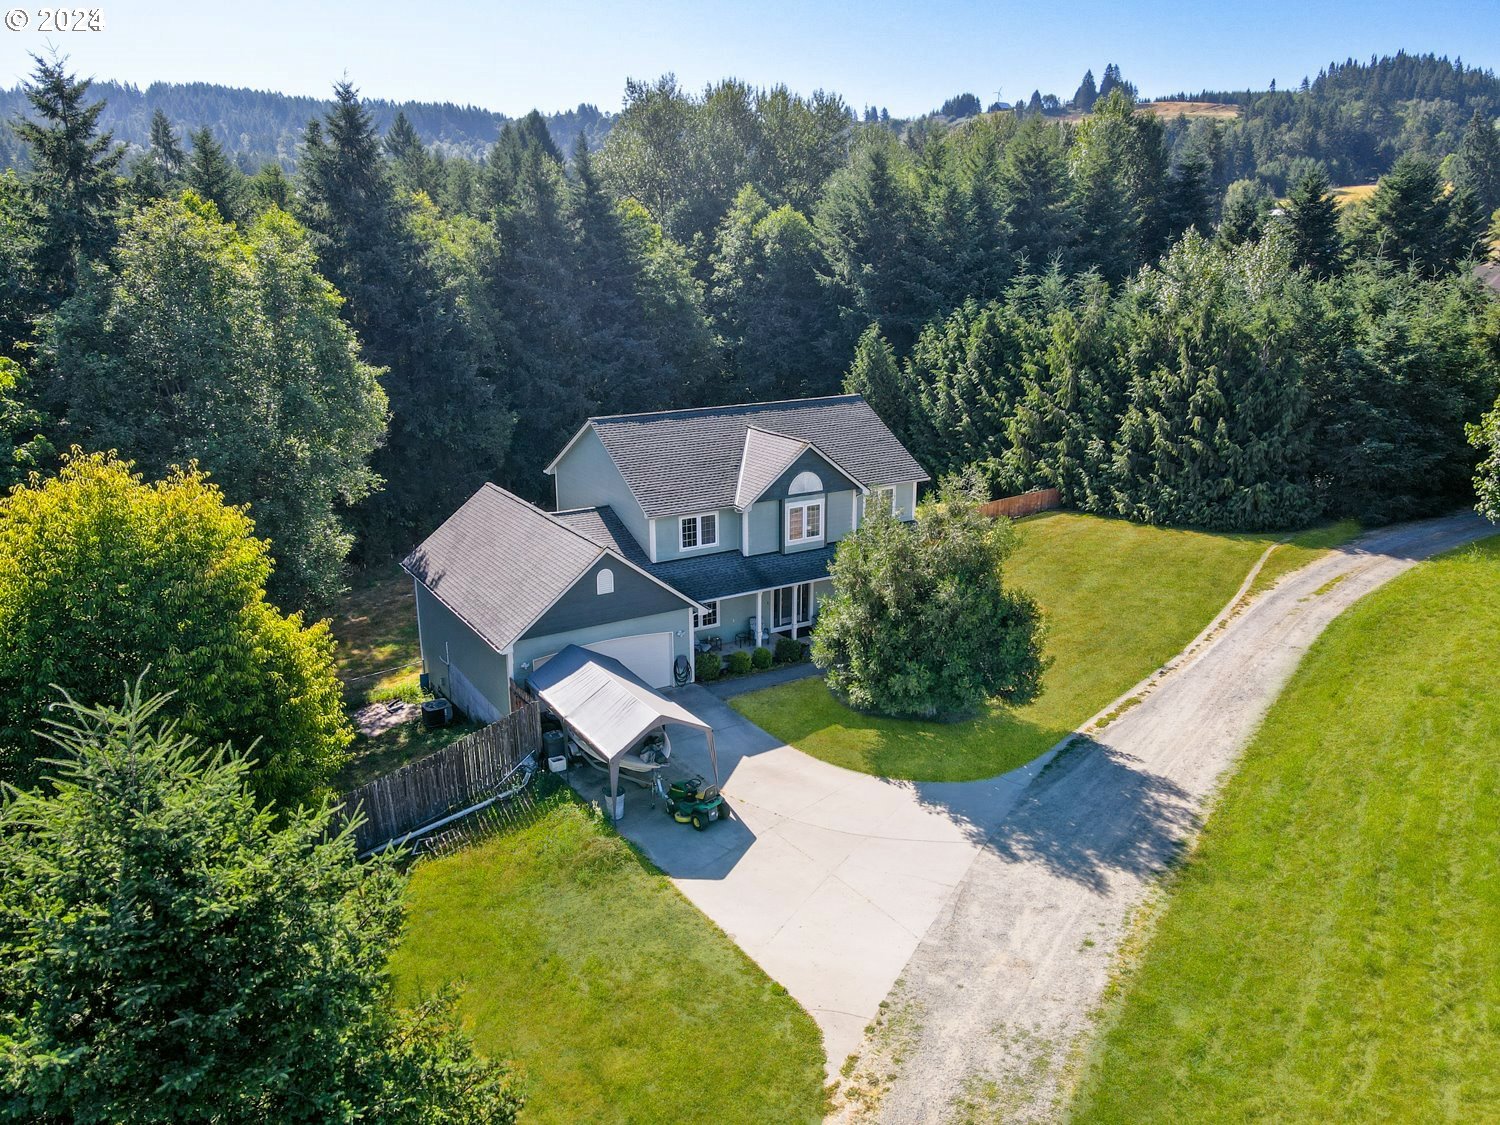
(827, 878)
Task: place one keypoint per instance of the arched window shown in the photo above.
(805, 482)
(604, 582)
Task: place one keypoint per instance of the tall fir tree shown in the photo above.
(73, 177)
(1312, 226)
(877, 376)
(1476, 163)
(1034, 193)
(1407, 219)
(209, 173)
(450, 425)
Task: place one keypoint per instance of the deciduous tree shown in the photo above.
(920, 622)
(211, 345)
(103, 575)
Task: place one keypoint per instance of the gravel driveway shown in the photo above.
(988, 1018)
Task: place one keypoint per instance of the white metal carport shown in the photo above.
(609, 707)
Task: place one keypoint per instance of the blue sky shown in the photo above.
(907, 56)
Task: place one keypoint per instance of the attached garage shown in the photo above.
(503, 587)
(647, 655)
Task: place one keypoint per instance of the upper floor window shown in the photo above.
(804, 521)
(604, 582)
(805, 482)
(699, 531)
(709, 616)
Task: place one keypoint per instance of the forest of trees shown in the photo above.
(351, 348)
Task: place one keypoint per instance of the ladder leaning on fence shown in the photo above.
(491, 765)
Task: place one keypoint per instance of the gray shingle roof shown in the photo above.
(681, 461)
(765, 457)
(498, 563)
(704, 577)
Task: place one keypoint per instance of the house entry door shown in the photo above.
(792, 607)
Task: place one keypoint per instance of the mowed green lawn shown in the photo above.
(1119, 600)
(1331, 950)
(619, 1000)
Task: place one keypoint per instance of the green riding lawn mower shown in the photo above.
(693, 802)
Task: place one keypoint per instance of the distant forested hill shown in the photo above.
(255, 126)
(1354, 118)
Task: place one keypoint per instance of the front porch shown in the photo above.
(744, 622)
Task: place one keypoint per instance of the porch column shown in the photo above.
(760, 616)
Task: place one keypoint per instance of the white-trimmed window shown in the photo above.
(881, 500)
(804, 521)
(804, 483)
(709, 616)
(695, 532)
(604, 582)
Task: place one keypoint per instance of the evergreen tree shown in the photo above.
(73, 175)
(175, 951)
(1312, 226)
(1070, 403)
(269, 187)
(1216, 431)
(1087, 93)
(158, 172)
(1109, 189)
(211, 176)
(1034, 193)
(876, 375)
(22, 295)
(411, 167)
(449, 427)
(1187, 201)
(769, 307)
(166, 150)
(873, 234)
(1476, 164)
(1407, 220)
(1247, 209)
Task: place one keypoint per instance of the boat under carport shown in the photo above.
(605, 705)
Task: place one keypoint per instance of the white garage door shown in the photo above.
(648, 655)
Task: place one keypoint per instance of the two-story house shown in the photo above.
(671, 528)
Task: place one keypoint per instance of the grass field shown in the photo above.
(1331, 950)
(619, 1000)
(1218, 111)
(1353, 193)
(1119, 600)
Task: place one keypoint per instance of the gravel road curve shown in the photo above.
(990, 1013)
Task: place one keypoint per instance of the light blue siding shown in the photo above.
(669, 536)
(765, 527)
(448, 645)
(586, 477)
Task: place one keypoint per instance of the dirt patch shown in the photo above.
(375, 719)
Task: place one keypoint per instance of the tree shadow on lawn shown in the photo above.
(1094, 812)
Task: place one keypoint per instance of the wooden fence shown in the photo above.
(445, 781)
(1026, 504)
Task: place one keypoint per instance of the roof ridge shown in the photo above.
(551, 517)
(723, 408)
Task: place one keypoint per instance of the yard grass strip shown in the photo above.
(1331, 949)
(618, 999)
